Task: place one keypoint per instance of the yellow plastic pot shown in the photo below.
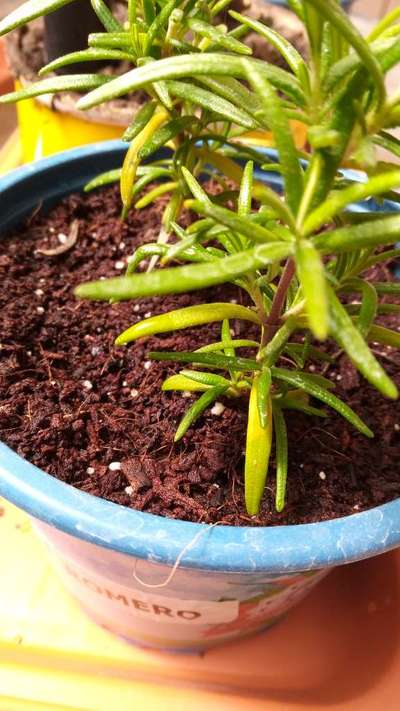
(45, 131)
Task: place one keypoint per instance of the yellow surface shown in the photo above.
(339, 649)
(44, 132)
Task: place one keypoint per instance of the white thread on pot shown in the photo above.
(178, 561)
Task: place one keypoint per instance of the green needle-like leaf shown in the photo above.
(160, 21)
(222, 345)
(241, 225)
(86, 55)
(369, 305)
(368, 234)
(29, 11)
(387, 287)
(202, 97)
(258, 451)
(185, 318)
(182, 383)
(73, 82)
(232, 90)
(152, 195)
(386, 21)
(141, 120)
(350, 339)
(177, 280)
(187, 65)
(311, 273)
(302, 380)
(285, 48)
(110, 176)
(106, 17)
(341, 199)
(217, 37)
(221, 362)
(380, 334)
(281, 445)
(210, 379)
(112, 40)
(246, 186)
(264, 396)
(166, 133)
(226, 339)
(194, 412)
(273, 117)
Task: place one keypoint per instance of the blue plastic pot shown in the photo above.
(121, 564)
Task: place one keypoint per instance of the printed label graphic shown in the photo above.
(90, 586)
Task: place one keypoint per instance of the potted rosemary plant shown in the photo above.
(293, 306)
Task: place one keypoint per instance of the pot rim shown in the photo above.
(144, 535)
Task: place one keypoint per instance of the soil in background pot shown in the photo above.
(73, 404)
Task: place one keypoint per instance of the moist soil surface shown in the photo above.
(72, 403)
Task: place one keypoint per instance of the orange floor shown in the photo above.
(338, 650)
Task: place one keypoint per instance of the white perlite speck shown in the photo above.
(87, 384)
(40, 310)
(136, 308)
(147, 364)
(322, 476)
(90, 470)
(121, 245)
(62, 238)
(147, 314)
(186, 393)
(128, 490)
(95, 350)
(124, 384)
(218, 409)
(119, 265)
(114, 466)
(134, 392)
(397, 427)
(39, 292)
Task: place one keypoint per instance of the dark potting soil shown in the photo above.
(73, 404)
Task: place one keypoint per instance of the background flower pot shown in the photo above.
(122, 564)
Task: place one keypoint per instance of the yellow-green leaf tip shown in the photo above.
(124, 338)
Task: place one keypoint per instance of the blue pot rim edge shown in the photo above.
(220, 548)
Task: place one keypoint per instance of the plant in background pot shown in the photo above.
(300, 266)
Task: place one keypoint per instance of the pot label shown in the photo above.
(91, 587)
